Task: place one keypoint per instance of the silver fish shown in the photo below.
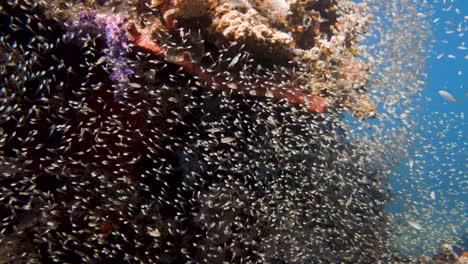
(446, 95)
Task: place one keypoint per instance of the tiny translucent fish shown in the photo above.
(101, 60)
(213, 130)
(350, 199)
(227, 139)
(415, 225)
(234, 61)
(134, 85)
(173, 99)
(154, 232)
(447, 96)
(271, 121)
(232, 85)
(432, 195)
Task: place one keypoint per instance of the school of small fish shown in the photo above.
(109, 153)
(430, 183)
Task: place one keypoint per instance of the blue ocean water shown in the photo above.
(422, 134)
(430, 184)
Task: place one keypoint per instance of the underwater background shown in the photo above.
(432, 180)
(233, 131)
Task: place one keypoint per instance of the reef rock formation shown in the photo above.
(131, 131)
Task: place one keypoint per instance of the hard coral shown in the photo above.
(277, 10)
(186, 9)
(446, 255)
(319, 37)
(248, 26)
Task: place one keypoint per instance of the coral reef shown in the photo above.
(317, 40)
(320, 37)
(446, 255)
(136, 132)
(247, 27)
(286, 91)
(116, 41)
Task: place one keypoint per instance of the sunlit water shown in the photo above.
(419, 48)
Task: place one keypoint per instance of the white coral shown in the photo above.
(277, 8)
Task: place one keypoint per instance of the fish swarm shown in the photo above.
(112, 155)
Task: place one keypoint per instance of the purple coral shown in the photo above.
(111, 27)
